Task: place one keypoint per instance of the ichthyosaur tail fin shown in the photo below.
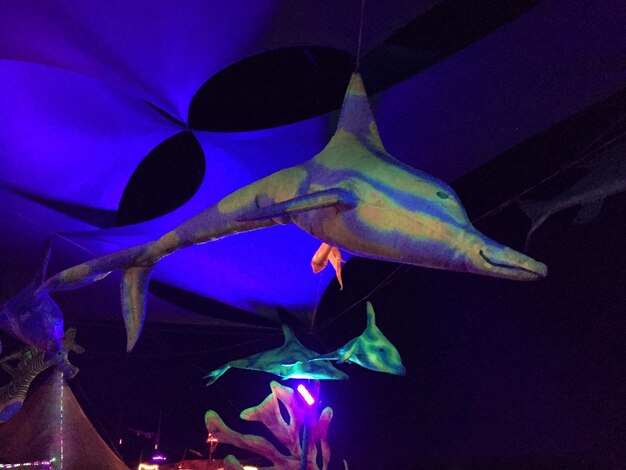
(537, 212)
(94, 270)
(216, 374)
(134, 289)
(134, 296)
(372, 350)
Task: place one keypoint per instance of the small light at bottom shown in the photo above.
(145, 466)
(305, 394)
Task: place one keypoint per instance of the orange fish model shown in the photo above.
(352, 196)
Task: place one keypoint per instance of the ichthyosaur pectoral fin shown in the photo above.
(216, 374)
(134, 295)
(338, 197)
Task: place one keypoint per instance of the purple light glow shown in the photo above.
(308, 398)
(158, 457)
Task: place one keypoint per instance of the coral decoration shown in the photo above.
(30, 363)
(286, 432)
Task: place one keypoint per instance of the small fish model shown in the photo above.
(352, 196)
(32, 316)
(371, 350)
(274, 361)
(606, 177)
(30, 363)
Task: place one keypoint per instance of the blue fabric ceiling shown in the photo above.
(89, 89)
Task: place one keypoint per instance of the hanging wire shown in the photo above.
(586, 153)
(181, 354)
(358, 48)
(97, 419)
(388, 279)
(320, 293)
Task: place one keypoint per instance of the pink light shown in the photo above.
(159, 457)
(305, 394)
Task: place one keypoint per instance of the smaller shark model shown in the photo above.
(371, 350)
(30, 363)
(606, 177)
(273, 361)
(32, 316)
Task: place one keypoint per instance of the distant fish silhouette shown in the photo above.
(607, 176)
(289, 361)
(30, 363)
(371, 350)
(32, 316)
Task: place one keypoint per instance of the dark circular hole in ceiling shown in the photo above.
(167, 178)
(271, 89)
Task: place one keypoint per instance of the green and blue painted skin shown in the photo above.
(371, 350)
(289, 361)
(353, 196)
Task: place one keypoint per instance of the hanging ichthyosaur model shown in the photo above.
(352, 196)
(32, 316)
(606, 177)
(292, 353)
(292, 360)
(30, 363)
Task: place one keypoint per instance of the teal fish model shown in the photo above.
(30, 363)
(371, 350)
(606, 177)
(289, 361)
(352, 196)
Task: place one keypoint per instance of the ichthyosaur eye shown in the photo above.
(443, 195)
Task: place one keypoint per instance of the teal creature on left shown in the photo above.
(30, 363)
(289, 361)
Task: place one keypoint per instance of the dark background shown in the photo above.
(499, 374)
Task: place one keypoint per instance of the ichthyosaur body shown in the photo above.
(353, 196)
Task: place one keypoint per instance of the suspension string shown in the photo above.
(380, 285)
(585, 154)
(358, 49)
